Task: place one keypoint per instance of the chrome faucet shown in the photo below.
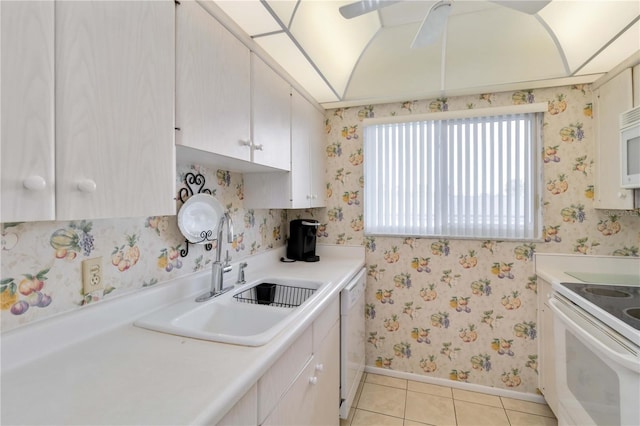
(218, 268)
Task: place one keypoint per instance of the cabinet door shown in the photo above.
(324, 406)
(301, 123)
(293, 408)
(612, 98)
(27, 85)
(271, 116)
(314, 397)
(115, 79)
(318, 159)
(274, 385)
(213, 87)
(307, 154)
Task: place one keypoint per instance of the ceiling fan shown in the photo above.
(435, 20)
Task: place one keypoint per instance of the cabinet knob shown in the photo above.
(622, 195)
(313, 380)
(320, 367)
(34, 183)
(87, 185)
(258, 147)
(245, 143)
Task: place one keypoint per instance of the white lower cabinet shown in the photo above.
(244, 412)
(303, 386)
(313, 398)
(546, 347)
(274, 385)
(324, 401)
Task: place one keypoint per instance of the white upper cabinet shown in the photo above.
(307, 153)
(213, 86)
(610, 99)
(112, 152)
(115, 80)
(27, 111)
(270, 116)
(304, 186)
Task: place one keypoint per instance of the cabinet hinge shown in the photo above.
(177, 128)
(176, 2)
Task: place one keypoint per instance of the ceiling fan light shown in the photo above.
(433, 25)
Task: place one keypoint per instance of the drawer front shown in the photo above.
(278, 379)
(325, 321)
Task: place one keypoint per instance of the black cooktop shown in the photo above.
(623, 302)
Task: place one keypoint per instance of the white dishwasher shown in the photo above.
(352, 340)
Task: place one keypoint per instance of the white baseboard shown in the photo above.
(458, 385)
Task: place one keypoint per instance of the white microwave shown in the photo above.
(630, 148)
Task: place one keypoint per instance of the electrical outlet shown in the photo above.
(92, 275)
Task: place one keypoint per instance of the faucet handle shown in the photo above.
(227, 259)
(241, 279)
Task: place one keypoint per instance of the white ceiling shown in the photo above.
(485, 46)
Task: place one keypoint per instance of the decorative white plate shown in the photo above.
(198, 218)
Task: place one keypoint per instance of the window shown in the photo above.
(475, 176)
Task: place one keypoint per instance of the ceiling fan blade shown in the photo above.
(361, 7)
(433, 24)
(526, 6)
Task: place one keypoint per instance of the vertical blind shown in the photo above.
(474, 177)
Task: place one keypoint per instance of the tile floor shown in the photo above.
(384, 400)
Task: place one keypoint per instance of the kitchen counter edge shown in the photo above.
(28, 346)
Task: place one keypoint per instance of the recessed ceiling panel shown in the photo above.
(283, 9)
(405, 12)
(486, 45)
(334, 43)
(281, 48)
(625, 46)
(583, 27)
(251, 16)
(390, 68)
(498, 46)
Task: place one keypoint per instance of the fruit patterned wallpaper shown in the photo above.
(455, 309)
(462, 309)
(40, 274)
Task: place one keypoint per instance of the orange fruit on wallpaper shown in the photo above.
(7, 299)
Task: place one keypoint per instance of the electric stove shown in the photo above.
(618, 306)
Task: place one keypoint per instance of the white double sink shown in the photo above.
(226, 319)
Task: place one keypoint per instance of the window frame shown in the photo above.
(533, 201)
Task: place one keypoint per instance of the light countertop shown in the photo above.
(94, 367)
(556, 268)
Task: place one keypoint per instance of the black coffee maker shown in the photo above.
(302, 240)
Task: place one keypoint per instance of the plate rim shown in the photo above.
(215, 205)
